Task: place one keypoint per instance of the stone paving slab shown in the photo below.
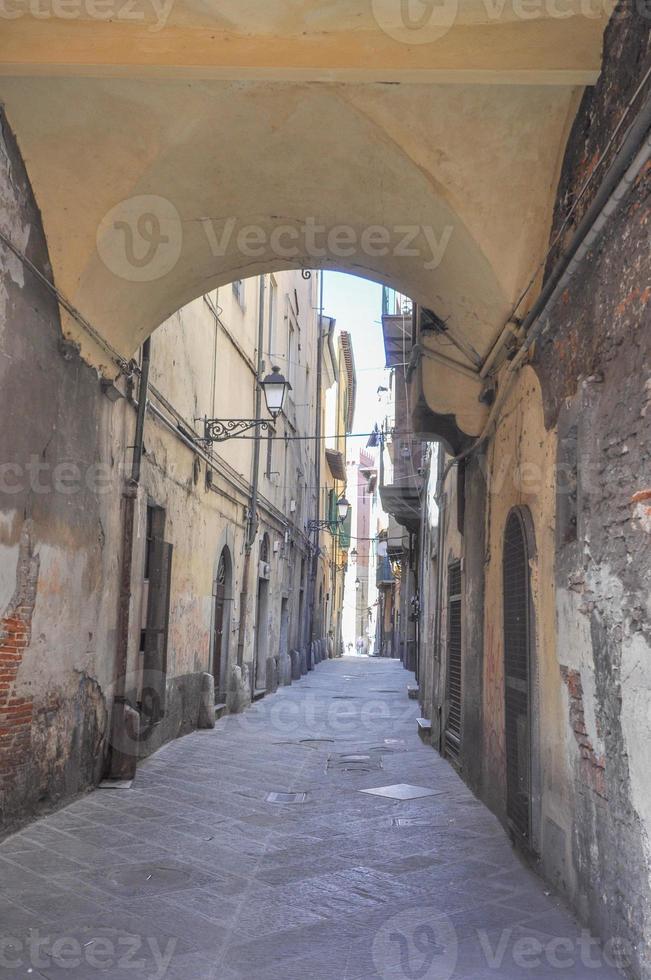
(192, 875)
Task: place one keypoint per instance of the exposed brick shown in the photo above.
(15, 634)
(593, 766)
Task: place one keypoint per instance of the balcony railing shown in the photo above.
(383, 573)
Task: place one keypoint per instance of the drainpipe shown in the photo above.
(317, 466)
(440, 567)
(124, 719)
(252, 520)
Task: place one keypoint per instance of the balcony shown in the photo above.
(383, 573)
(402, 501)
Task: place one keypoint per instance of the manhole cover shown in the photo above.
(400, 791)
(389, 749)
(286, 797)
(408, 822)
(355, 762)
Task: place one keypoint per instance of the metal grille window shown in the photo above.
(454, 690)
(517, 674)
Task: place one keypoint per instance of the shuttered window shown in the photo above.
(454, 688)
(516, 674)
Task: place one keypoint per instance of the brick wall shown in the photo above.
(594, 365)
(15, 635)
(593, 765)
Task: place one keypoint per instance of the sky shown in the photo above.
(356, 305)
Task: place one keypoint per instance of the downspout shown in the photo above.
(438, 700)
(317, 466)
(123, 758)
(252, 519)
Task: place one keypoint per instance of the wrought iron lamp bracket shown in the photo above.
(323, 526)
(219, 430)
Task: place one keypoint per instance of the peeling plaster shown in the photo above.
(636, 725)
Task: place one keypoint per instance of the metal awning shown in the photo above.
(403, 503)
(336, 463)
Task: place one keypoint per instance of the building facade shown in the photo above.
(220, 580)
(510, 167)
(525, 529)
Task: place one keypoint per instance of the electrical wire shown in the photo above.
(116, 356)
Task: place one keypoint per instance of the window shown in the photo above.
(291, 355)
(453, 682)
(293, 346)
(265, 550)
(270, 447)
(517, 672)
(272, 314)
(238, 291)
(158, 572)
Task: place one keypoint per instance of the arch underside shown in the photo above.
(441, 189)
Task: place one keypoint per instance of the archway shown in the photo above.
(144, 211)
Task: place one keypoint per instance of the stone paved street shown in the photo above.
(193, 874)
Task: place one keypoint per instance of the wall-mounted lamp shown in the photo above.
(343, 508)
(274, 387)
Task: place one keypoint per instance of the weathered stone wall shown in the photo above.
(56, 510)
(594, 365)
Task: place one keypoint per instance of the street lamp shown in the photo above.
(343, 508)
(274, 387)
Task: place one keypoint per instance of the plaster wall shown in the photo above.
(60, 455)
(65, 453)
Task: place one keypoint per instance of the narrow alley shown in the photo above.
(264, 849)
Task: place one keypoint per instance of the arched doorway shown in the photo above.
(518, 672)
(223, 589)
